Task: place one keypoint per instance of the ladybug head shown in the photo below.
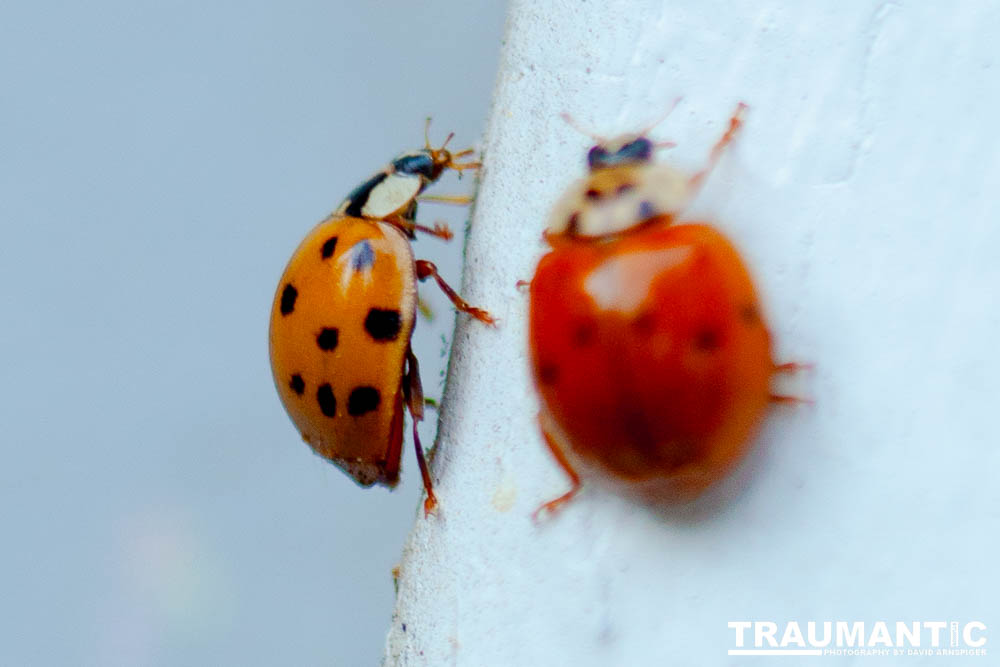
(394, 190)
(428, 162)
(628, 150)
(418, 163)
(623, 151)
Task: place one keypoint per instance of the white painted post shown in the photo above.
(864, 193)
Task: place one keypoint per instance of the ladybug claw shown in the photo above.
(430, 505)
(443, 231)
(483, 316)
(536, 516)
(550, 508)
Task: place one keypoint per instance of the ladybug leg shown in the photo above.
(786, 399)
(792, 367)
(427, 270)
(414, 393)
(430, 502)
(440, 229)
(735, 123)
(553, 505)
(462, 166)
(789, 400)
(458, 200)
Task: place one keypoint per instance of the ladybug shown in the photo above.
(649, 351)
(343, 315)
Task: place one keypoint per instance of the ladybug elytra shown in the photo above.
(343, 315)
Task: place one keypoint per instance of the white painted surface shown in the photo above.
(863, 193)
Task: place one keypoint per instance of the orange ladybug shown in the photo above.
(343, 315)
(648, 347)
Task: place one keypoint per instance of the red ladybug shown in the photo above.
(649, 349)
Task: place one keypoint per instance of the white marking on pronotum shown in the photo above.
(652, 190)
(391, 195)
(620, 283)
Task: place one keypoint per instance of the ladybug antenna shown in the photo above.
(582, 130)
(446, 140)
(427, 138)
(646, 130)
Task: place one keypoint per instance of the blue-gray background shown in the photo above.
(159, 161)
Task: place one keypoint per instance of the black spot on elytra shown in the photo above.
(327, 401)
(288, 296)
(643, 439)
(548, 373)
(363, 256)
(624, 188)
(644, 323)
(327, 339)
(592, 194)
(707, 340)
(382, 324)
(297, 384)
(328, 247)
(678, 453)
(749, 314)
(637, 426)
(583, 334)
(362, 400)
(573, 223)
(646, 210)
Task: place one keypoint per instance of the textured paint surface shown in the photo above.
(863, 196)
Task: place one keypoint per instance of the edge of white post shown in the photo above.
(863, 194)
